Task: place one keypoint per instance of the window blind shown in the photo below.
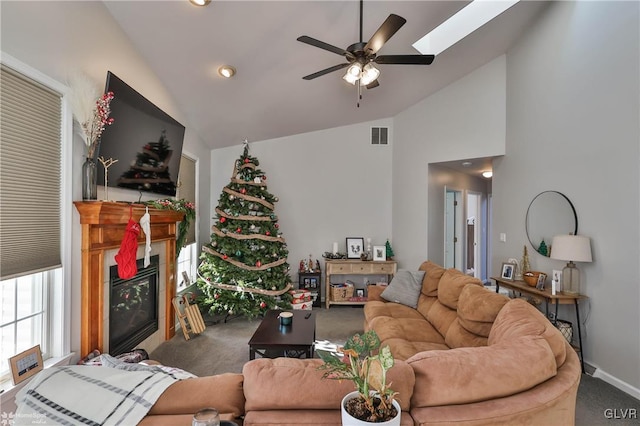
(187, 190)
(30, 175)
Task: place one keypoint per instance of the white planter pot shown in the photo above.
(348, 420)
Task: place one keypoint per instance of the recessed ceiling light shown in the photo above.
(227, 71)
(487, 174)
(200, 2)
(464, 22)
(466, 163)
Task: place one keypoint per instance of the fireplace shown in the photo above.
(133, 306)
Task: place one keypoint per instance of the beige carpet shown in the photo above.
(224, 348)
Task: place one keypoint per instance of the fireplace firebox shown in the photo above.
(133, 306)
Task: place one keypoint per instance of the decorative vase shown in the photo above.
(89, 179)
(348, 420)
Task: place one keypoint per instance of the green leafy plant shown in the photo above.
(361, 362)
(182, 206)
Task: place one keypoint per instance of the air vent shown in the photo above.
(379, 135)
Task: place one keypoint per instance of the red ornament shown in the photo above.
(264, 177)
(263, 305)
(216, 296)
(239, 230)
(277, 226)
(223, 219)
(267, 233)
(258, 264)
(225, 256)
(243, 191)
(246, 160)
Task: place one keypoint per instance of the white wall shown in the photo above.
(331, 184)
(572, 126)
(464, 120)
(58, 38)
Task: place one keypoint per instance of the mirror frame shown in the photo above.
(526, 224)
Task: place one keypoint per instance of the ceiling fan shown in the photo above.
(361, 57)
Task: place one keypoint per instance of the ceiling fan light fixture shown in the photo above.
(227, 71)
(369, 74)
(353, 73)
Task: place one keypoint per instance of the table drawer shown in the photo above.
(363, 268)
(338, 268)
(383, 268)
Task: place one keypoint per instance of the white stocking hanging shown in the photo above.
(145, 223)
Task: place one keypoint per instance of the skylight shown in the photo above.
(467, 20)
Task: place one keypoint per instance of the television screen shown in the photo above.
(145, 140)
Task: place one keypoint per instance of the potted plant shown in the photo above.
(361, 362)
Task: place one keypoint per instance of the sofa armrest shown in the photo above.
(374, 292)
(223, 392)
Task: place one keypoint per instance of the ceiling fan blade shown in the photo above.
(372, 85)
(405, 59)
(323, 45)
(388, 28)
(325, 71)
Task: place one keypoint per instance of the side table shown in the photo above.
(556, 299)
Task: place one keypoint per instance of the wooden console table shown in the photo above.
(554, 299)
(354, 267)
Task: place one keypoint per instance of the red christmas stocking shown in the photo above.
(126, 257)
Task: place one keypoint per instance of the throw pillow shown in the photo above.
(404, 288)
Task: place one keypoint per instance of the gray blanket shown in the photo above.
(112, 394)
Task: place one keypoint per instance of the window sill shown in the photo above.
(10, 390)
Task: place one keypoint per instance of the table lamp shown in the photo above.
(572, 248)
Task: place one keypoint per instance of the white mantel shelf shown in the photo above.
(103, 225)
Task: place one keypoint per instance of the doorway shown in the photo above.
(453, 229)
(475, 224)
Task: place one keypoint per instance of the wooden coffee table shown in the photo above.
(272, 339)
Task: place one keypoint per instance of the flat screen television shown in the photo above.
(145, 140)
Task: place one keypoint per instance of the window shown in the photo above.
(24, 315)
(187, 262)
(35, 194)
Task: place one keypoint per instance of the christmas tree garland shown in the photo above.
(241, 265)
(246, 237)
(246, 289)
(243, 216)
(248, 197)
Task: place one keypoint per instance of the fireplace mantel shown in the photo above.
(103, 226)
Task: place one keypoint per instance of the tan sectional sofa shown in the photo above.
(466, 356)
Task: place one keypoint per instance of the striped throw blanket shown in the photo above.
(115, 393)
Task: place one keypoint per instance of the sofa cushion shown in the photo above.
(478, 308)
(451, 285)
(389, 309)
(425, 303)
(459, 337)
(411, 329)
(275, 384)
(404, 288)
(518, 318)
(404, 349)
(466, 375)
(441, 317)
(433, 273)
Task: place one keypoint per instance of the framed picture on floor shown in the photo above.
(355, 247)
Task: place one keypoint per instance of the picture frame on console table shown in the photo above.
(379, 253)
(355, 247)
(26, 364)
(507, 271)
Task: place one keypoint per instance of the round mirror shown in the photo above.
(550, 213)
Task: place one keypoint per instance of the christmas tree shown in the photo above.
(244, 269)
(389, 250)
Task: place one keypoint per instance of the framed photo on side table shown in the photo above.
(26, 364)
(379, 253)
(355, 247)
(508, 271)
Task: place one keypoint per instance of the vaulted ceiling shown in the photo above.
(268, 98)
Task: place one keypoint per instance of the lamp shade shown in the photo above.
(575, 248)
